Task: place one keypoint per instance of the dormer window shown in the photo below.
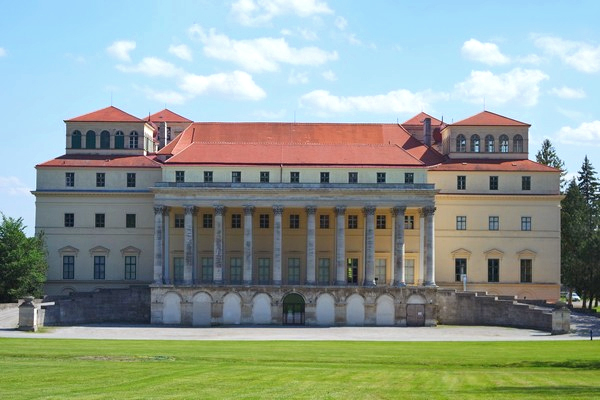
(119, 140)
(475, 143)
(518, 144)
(133, 140)
(503, 144)
(76, 140)
(90, 140)
(104, 140)
(489, 144)
(461, 144)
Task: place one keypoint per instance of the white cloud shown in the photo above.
(533, 59)
(121, 49)
(487, 53)
(568, 93)
(329, 75)
(2, 52)
(340, 23)
(152, 66)
(165, 97)
(12, 186)
(588, 134)
(521, 86)
(579, 55)
(237, 84)
(258, 12)
(308, 35)
(182, 51)
(258, 55)
(397, 101)
(297, 77)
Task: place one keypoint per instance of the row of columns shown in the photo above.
(161, 245)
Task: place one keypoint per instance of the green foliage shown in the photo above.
(22, 261)
(588, 186)
(573, 232)
(547, 156)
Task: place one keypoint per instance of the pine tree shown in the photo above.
(547, 156)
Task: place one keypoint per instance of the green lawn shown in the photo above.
(98, 369)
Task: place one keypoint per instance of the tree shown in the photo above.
(23, 262)
(588, 186)
(547, 156)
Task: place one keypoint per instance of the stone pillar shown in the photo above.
(248, 252)
(278, 212)
(399, 271)
(311, 254)
(158, 244)
(429, 247)
(188, 244)
(340, 246)
(28, 315)
(422, 244)
(218, 245)
(369, 212)
(166, 254)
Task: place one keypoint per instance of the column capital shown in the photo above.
(277, 209)
(248, 209)
(398, 210)
(340, 210)
(219, 209)
(190, 210)
(311, 210)
(166, 210)
(159, 209)
(427, 211)
(369, 210)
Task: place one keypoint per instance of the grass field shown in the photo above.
(115, 369)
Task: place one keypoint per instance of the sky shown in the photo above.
(294, 60)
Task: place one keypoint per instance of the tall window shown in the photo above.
(380, 222)
(131, 179)
(179, 221)
(236, 221)
(178, 269)
(119, 140)
(461, 182)
(409, 177)
(518, 144)
(294, 177)
(100, 220)
(69, 179)
(324, 221)
(207, 221)
(293, 271)
(263, 221)
(352, 177)
(129, 220)
(409, 271)
(68, 267)
(133, 140)
(179, 176)
(130, 267)
(104, 140)
(525, 223)
(294, 221)
(526, 270)
(323, 274)
(380, 271)
(69, 220)
(475, 143)
(100, 179)
(208, 176)
(461, 223)
(409, 222)
(461, 144)
(525, 183)
(236, 176)
(494, 223)
(99, 267)
(352, 221)
(503, 144)
(264, 176)
(493, 270)
(381, 177)
(235, 270)
(206, 275)
(264, 271)
(460, 268)
(90, 140)
(324, 177)
(76, 140)
(489, 144)
(493, 183)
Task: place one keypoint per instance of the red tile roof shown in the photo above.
(420, 117)
(492, 165)
(108, 114)
(98, 161)
(486, 118)
(167, 115)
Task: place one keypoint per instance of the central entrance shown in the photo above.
(293, 309)
(352, 270)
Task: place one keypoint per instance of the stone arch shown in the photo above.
(325, 310)
(232, 309)
(415, 310)
(201, 309)
(171, 308)
(385, 314)
(293, 308)
(416, 298)
(261, 309)
(355, 310)
(67, 291)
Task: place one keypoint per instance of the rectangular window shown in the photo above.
(381, 177)
(409, 222)
(493, 183)
(352, 177)
(324, 177)
(460, 268)
(525, 183)
(293, 271)
(494, 223)
(236, 176)
(409, 177)
(493, 270)
(100, 179)
(323, 221)
(130, 267)
(130, 220)
(264, 176)
(525, 223)
(294, 221)
(235, 270)
(99, 267)
(323, 274)
(206, 275)
(179, 221)
(352, 221)
(409, 271)
(526, 270)
(68, 267)
(179, 176)
(263, 221)
(380, 222)
(100, 220)
(178, 269)
(380, 271)
(131, 179)
(264, 271)
(294, 177)
(461, 182)
(207, 221)
(236, 221)
(208, 176)
(69, 220)
(461, 223)
(70, 179)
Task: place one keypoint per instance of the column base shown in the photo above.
(247, 283)
(219, 282)
(400, 284)
(276, 282)
(340, 283)
(430, 284)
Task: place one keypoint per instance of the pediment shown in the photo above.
(99, 250)
(526, 253)
(130, 250)
(461, 253)
(68, 250)
(494, 253)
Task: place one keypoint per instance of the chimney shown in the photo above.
(427, 131)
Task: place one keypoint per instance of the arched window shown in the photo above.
(133, 140)
(518, 144)
(76, 140)
(461, 144)
(503, 144)
(489, 144)
(475, 144)
(105, 140)
(119, 140)
(90, 140)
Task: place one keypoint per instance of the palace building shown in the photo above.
(316, 223)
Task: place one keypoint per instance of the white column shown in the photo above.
(429, 247)
(340, 246)
(422, 244)
(218, 245)
(311, 256)
(369, 212)
(166, 255)
(188, 244)
(277, 229)
(399, 270)
(158, 244)
(248, 252)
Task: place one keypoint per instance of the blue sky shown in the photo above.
(304, 60)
